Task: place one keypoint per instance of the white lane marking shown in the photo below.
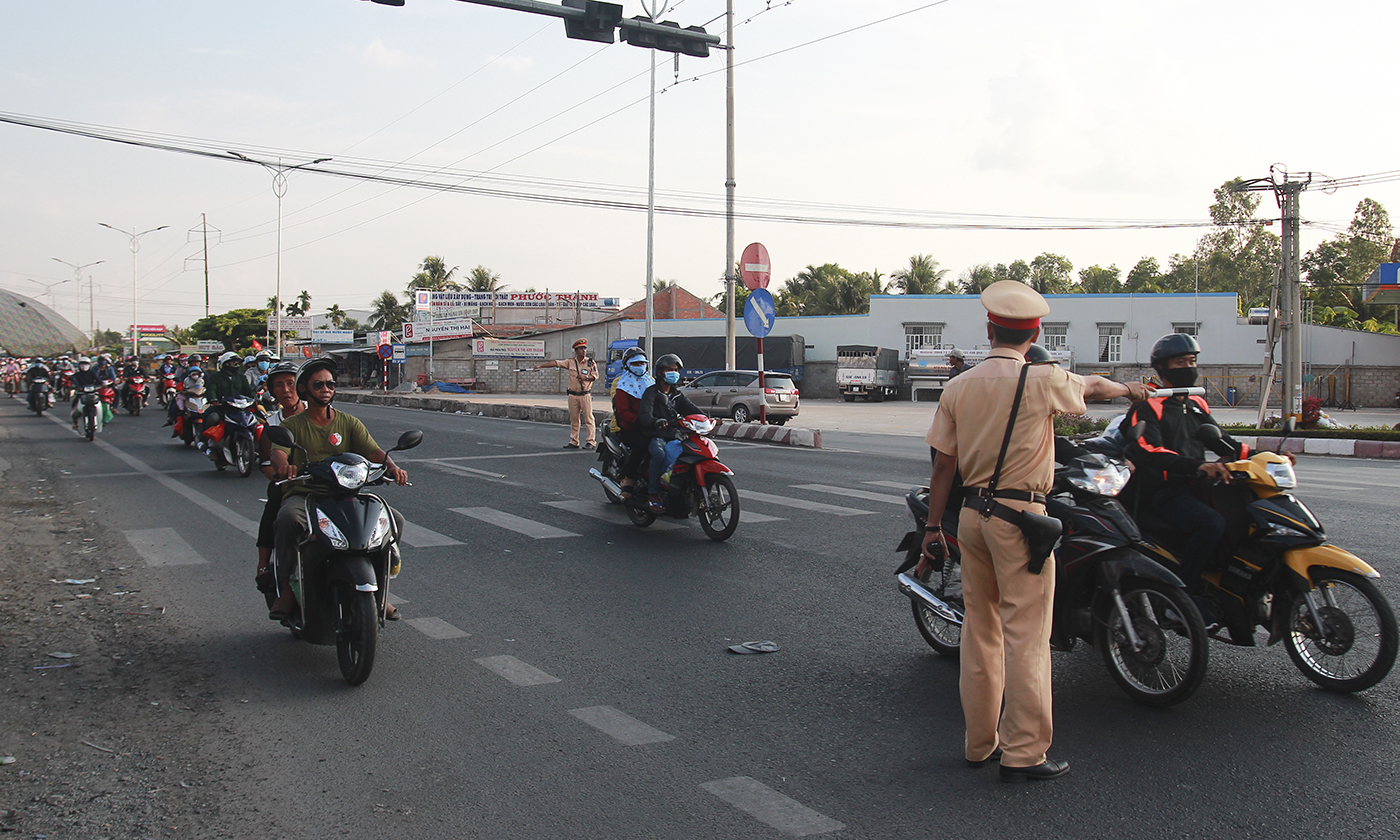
(896, 485)
(851, 492)
(511, 522)
(752, 518)
(436, 628)
(802, 504)
(607, 513)
(566, 452)
(623, 728)
(163, 547)
(458, 469)
(82, 476)
(397, 599)
(242, 523)
(767, 805)
(515, 671)
(419, 537)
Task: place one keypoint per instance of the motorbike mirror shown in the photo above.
(1135, 433)
(280, 436)
(1208, 433)
(408, 440)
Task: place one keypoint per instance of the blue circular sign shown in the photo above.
(760, 313)
(385, 351)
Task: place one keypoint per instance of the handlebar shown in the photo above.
(1177, 392)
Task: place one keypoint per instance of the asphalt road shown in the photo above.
(562, 673)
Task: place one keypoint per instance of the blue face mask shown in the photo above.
(638, 368)
(263, 365)
(671, 377)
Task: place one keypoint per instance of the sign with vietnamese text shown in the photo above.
(400, 353)
(289, 323)
(149, 330)
(209, 347)
(494, 348)
(333, 336)
(385, 337)
(505, 300)
(443, 330)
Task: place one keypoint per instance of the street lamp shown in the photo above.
(78, 292)
(135, 239)
(48, 287)
(279, 189)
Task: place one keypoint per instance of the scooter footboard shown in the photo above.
(1300, 560)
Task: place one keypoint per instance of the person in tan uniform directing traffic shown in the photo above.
(1007, 467)
(583, 372)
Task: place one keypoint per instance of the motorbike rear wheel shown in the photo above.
(720, 516)
(638, 512)
(357, 635)
(1172, 661)
(941, 634)
(243, 456)
(1357, 645)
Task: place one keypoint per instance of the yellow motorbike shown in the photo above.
(1280, 574)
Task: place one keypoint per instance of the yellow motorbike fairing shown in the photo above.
(1302, 559)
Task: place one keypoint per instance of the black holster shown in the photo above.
(1041, 531)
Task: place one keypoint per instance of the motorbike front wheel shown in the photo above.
(1356, 646)
(941, 633)
(133, 406)
(243, 456)
(720, 516)
(89, 424)
(357, 634)
(1171, 662)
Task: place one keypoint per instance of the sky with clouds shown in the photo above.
(1081, 109)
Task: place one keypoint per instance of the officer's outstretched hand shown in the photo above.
(1138, 391)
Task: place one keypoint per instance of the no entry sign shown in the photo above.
(753, 264)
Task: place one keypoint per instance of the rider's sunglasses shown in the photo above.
(322, 385)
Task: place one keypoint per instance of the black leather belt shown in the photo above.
(977, 493)
(577, 393)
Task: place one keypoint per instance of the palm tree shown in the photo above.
(336, 315)
(483, 279)
(386, 312)
(435, 276)
(922, 277)
(301, 305)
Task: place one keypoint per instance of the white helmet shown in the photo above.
(229, 356)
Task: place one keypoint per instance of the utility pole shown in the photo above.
(730, 362)
(203, 231)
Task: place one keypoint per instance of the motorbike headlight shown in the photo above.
(1104, 481)
(1282, 474)
(350, 476)
(381, 529)
(332, 533)
(1277, 530)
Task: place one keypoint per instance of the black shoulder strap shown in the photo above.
(1010, 424)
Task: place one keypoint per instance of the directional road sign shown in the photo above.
(760, 313)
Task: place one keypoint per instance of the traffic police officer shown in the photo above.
(1005, 649)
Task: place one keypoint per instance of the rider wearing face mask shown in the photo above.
(628, 390)
(1169, 457)
(658, 417)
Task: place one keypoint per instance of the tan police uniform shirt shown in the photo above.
(577, 371)
(972, 414)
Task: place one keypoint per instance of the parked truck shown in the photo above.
(702, 354)
(866, 371)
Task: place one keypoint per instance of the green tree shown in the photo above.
(435, 276)
(1144, 278)
(1335, 270)
(1240, 254)
(976, 279)
(106, 339)
(483, 279)
(235, 328)
(1050, 274)
(921, 277)
(1097, 280)
(386, 313)
(301, 305)
(741, 297)
(336, 316)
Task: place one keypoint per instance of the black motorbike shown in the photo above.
(1109, 591)
(341, 574)
(90, 408)
(235, 441)
(40, 395)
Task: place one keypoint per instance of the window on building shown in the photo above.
(1187, 327)
(917, 336)
(1054, 336)
(1110, 342)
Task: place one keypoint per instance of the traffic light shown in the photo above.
(599, 20)
(643, 32)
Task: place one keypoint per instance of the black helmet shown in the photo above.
(632, 352)
(279, 369)
(1037, 355)
(323, 363)
(670, 360)
(1171, 346)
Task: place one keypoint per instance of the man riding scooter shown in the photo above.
(1170, 459)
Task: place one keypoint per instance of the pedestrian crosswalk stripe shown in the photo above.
(511, 522)
(802, 504)
(751, 518)
(767, 805)
(607, 513)
(621, 726)
(897, 485)
(163, 547)
(436, 628)
(417, 536)
(458, 469)
(851, 492)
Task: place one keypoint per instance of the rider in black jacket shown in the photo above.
(663, 405)
(1168, 456)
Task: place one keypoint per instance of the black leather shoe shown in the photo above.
(1048, 769)
(995, 756)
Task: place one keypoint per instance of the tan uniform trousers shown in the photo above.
(1005, 650)
(581, 408)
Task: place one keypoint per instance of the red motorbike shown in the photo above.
(107, 392)
(135, 396)
(65, 384)
(698, 483)
(169, 387)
